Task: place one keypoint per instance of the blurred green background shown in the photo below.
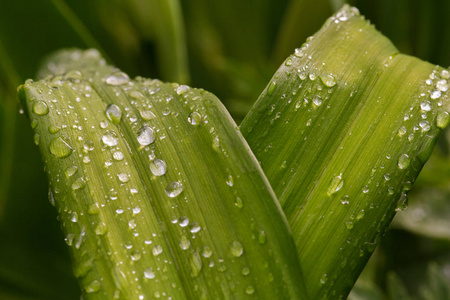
(231, 48)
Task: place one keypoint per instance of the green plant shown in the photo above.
(157, 191)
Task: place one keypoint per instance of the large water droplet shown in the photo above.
(123, 177)
(93, 287)
(40, 108)
(335, 185)
(194, 118)
(182, 89)
(174, 188)
(149, 274)
(118, 155)
(271, 88)
(442, 85)
(117, 78)
(237, 249)
(425, 125)
(435, 94)
(328, 80)
(425, 106)
(146, 135)
(442, 119)
(110, 138)
(317, 100)
(404, 161)
(114, 113)
(158, 167)
(60, 148)
(147, 115)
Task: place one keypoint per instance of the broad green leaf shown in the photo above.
(157, 192)
(341, 132)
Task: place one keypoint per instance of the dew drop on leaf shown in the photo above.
(40, 108)
(328, 80)
(174, 188)
(114, 113)
(117, 78)
(237, 249)
(442, 119)
(194, 118)
(403, 161)
(110, 139)
(93, 286)
(158, 167)
(146, 136)
(60, 148)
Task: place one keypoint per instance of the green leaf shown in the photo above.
(157, 192)
(342, 131)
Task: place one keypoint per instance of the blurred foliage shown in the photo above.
(231, 48)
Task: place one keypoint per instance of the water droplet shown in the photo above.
(123, 177)
(157, 250)
(271, 88)
(445, 74)
(136, 255)
(360, 215)
(435, 94)
(37, 139)
(132, 224)
(323, 279)
(237, 249)
(147, 115)
(149, 274)
(195, 227)
(365, 189)
(442, 119)
(79, 183)
(118, 155)
(317, 100)
(207, 252)
(335, 185)
(93, 287)
(183, 221)
(158, 167)
(194, 118)
(238, 202)
(230, 180)
(402, 203)
(117, 78)
(312, 76)
(114, 113)
(344, 200)
(442, 85)
(196, 264)
(69, 239)
(174, 188)
(182, 89)
(34, 123)
(60, 148)
(288, 62)
(245, 271)
(74, 217)
(93, 209)
(101, 229)
(424, 125)
(403, 161)
(40, 108)
(146, 135)
(298, 52)
(70, 171)
(402, 131)
(425, 106)
(250, 290)
(349, 224)
(328, 80)
(185, 243)
(262, 239)
(110, 139)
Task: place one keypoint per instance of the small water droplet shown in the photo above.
(312, 76)
(136, 255)
(132, 224)
(250, 290)
(262, 239)
(93, 287)
(110, 139)
(425, 125)
(245, 271)
(402, 131)
(101, 229)
(349, 224)
(147, 115)
(360, 215)
(118, 155)
(183, 221)
(271, 88)
(317, 100)
(70, 171)
(79, 183)
(182, 89)
(402, 203)
(146, 135)
(93, 209)
(123, 177)
(344, 200)
(195, 227)
(445, 74)
(196, 264)
(335, 185)
(194, 118)
(230, 180)
(40, 108)
(174, 188)
(288, 62)
(323, 279)
(37, 139)
(157, 250)
(328, 80)
(185, 243)
(207, 252)
(425, 106)
(34, 123)
(158, 167)
(238, 202)
(365, 189)
(237, 249)
(403, 161)
(149, 274)
(60, 148)
(435, 94)
(74, 217)
(114, 113)
(442, 85)
(117, 78)
(298, 52)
